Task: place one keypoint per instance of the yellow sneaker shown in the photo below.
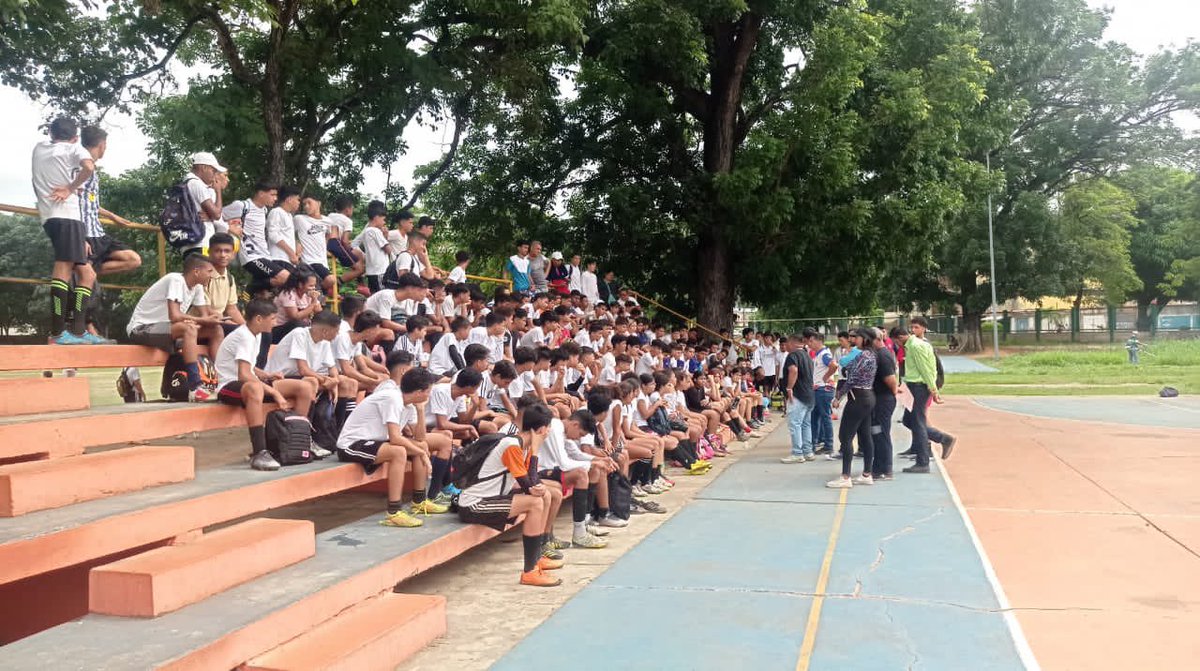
(401, 519)
(428, 507)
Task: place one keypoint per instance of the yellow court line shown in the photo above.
(814, 613)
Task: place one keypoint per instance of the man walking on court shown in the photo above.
(798, 388)
(921, 377)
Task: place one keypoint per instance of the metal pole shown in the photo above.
(992, 254)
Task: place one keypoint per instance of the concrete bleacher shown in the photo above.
(115, 553)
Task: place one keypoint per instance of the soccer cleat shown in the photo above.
(263, 461)
(638, 492)
(68, 338)
(451, 490)
(635, 508)
(653, 507)
(428, 507)
(443, 499)
(588, 541)
(93, 339)
(199, 395)
(547, 564)
(613, 521)
(401, 519)
(539, 578)
(557, 543)
(551, 553)
(595, 529)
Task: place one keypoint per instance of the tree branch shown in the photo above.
(229, 49)
(162, 63)
(460, 124)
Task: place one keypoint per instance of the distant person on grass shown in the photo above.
(1134, 347)
(60, 167)
(241, 384)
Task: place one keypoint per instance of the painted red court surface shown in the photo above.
(1092, 524)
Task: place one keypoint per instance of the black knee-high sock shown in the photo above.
(441, 469)
(580, 505)
(83, 300)
(60, 294)
(533, 551)
(342, 410)
(258, 439)
(682, 457)
(656, 473)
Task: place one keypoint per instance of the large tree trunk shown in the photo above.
(714, 297)
(972, 336)
(1144, 303)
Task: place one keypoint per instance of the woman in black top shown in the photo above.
(856, 418)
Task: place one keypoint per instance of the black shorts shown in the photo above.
(103, 249)
(265, 269)
(769, 384)
(320, 270)
(362, 452)
(337, 247)
(156, 335)
(373, 283)
(231, 394)
(494, 512)
(554, 474)
(68, 240)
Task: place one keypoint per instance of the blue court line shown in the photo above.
(730, 582)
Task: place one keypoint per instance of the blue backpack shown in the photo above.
(180, 220)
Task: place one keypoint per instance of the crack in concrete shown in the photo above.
(911, 649)
(881, 553)
(852, 596)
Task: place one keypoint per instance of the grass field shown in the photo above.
(103, 383)
(1082, 371)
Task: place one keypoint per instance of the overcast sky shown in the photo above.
(1145, 25)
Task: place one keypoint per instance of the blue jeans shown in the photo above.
(822, 417)
(1133, 357)
(799, 417)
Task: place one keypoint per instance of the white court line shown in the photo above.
(1010, 618)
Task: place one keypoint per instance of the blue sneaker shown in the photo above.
(68, 338)
(93, 339)
(451, 490)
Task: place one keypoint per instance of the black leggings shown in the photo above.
(856, 420)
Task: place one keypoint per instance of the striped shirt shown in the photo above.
(860, 373)
(89, 206)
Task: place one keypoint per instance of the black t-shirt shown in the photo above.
(885, 365)
(803, 389)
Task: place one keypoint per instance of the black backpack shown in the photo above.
(620, 495)
(391, 276)
(180, 219)
(325, 428)
(175, 385)
(467, 461)
(289, 438)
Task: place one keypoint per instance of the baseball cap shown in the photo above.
(557, 256)
(207, 158)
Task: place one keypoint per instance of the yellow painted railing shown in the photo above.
(691, 323)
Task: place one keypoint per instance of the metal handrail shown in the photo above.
(106, 221)
(493, 280)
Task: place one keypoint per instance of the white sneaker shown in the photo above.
(834, 456)
(638, 492)
(864, 479)
(810, 457)
(596, 530)
(793, 459)
(613, 522)
(652, 489)
(840, 483)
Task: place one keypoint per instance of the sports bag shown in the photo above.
(180, 219)
(467, 461)
(1168, 392)
(175, 387)
(325, 428)
(620, 495)
(289, 437)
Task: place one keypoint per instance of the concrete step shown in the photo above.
(50, 540)
(376, 635)
(169, 578)
(66, 434)
(42, 485)
(354, 562)
(29, 395)
(42, 357)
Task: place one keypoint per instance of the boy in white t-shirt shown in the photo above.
(355, 330)
(312, 233)
(374, 435)
(374, 245)
(242, 385)
(458, 274)
(402, 226)
(281, 228)
(161, 318)
(394, 306)
(307, 353)
(339, 245)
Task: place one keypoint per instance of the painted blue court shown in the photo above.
(730, 582)
(1175, 413)
(964, 364)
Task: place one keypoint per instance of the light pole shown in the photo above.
(992, 254)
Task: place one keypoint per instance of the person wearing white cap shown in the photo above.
(205, 183)
(558, 277)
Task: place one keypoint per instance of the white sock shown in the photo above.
(580, 528)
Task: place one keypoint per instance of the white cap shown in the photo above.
(206, 158)
(557, 256)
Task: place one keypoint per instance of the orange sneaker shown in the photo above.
(548, 564)
(539, 578)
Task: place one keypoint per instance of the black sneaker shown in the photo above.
(916, 469)
(908, 453)
(948, 442)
